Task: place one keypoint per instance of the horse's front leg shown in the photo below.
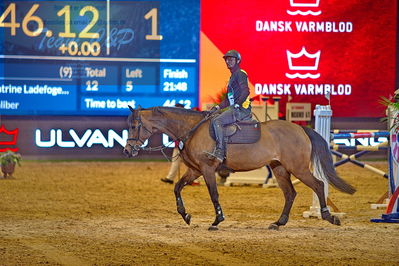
(189, 176)
(210, 179)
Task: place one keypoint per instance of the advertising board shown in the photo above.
(310, 51)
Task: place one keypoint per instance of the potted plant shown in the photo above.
(8, 161)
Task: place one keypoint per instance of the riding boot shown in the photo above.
(218, 152)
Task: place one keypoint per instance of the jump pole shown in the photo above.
(362, 150)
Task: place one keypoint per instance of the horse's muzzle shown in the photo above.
(130, 152)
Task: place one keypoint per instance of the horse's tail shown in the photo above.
(323, 164)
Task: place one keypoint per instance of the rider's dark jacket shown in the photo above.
(237, 90)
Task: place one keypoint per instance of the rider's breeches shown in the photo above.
(225, 118)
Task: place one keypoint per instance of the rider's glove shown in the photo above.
(214, 108)
(236, 105)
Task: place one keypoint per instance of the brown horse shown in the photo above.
(286, 147)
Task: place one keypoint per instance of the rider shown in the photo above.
(237, 103)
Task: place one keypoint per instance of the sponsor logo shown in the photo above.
(303, 7)
(57, 137)
(71, 139)
(8, 139)
(303, 61)
(360, 141)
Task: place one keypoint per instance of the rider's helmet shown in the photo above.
(233, 53)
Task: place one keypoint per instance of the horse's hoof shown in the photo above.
(273, 227)
(187, 218)
(336, 220)
(213, 228)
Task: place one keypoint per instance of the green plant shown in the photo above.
(393, 107)
(219, 96)
(10, 157)
(393, 104)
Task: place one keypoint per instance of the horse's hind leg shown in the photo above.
(284, 181)
(318, 187)
(189, 176)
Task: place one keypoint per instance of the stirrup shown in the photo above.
(214, 156)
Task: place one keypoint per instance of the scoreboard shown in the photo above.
(97, 57)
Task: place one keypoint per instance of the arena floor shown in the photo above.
(119, 213)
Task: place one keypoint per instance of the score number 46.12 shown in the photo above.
(9, 20)
(87, 48)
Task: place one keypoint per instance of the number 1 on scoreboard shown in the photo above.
(153, 14)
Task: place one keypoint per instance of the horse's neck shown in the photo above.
(178, 125)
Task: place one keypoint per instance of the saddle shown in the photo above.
(240, 132)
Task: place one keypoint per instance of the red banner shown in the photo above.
(311, 50)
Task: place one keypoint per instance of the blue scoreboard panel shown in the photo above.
(97, 57)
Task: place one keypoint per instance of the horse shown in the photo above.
(286, 147)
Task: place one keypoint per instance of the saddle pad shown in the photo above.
(245, 133)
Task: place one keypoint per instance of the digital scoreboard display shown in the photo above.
(97, 57)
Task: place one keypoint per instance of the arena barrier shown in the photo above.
(392, 211)
(361, 150)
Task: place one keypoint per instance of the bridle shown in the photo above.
(161, 148)
(138, 147)
(140, 126)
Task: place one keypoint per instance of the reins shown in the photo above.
(189, 133)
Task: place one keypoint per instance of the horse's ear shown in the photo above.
(139, 107)
(131, 108)
(157, 110)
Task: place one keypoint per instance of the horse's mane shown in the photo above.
(176, 110)
(162, 109)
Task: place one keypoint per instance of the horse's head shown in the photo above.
(139, 132)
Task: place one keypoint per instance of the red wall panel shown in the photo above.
(356, 41)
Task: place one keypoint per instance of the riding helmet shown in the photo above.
(233, 53)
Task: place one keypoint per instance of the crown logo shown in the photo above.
(302, 4)
(10, 139)
(305, 3)
(303, 61)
